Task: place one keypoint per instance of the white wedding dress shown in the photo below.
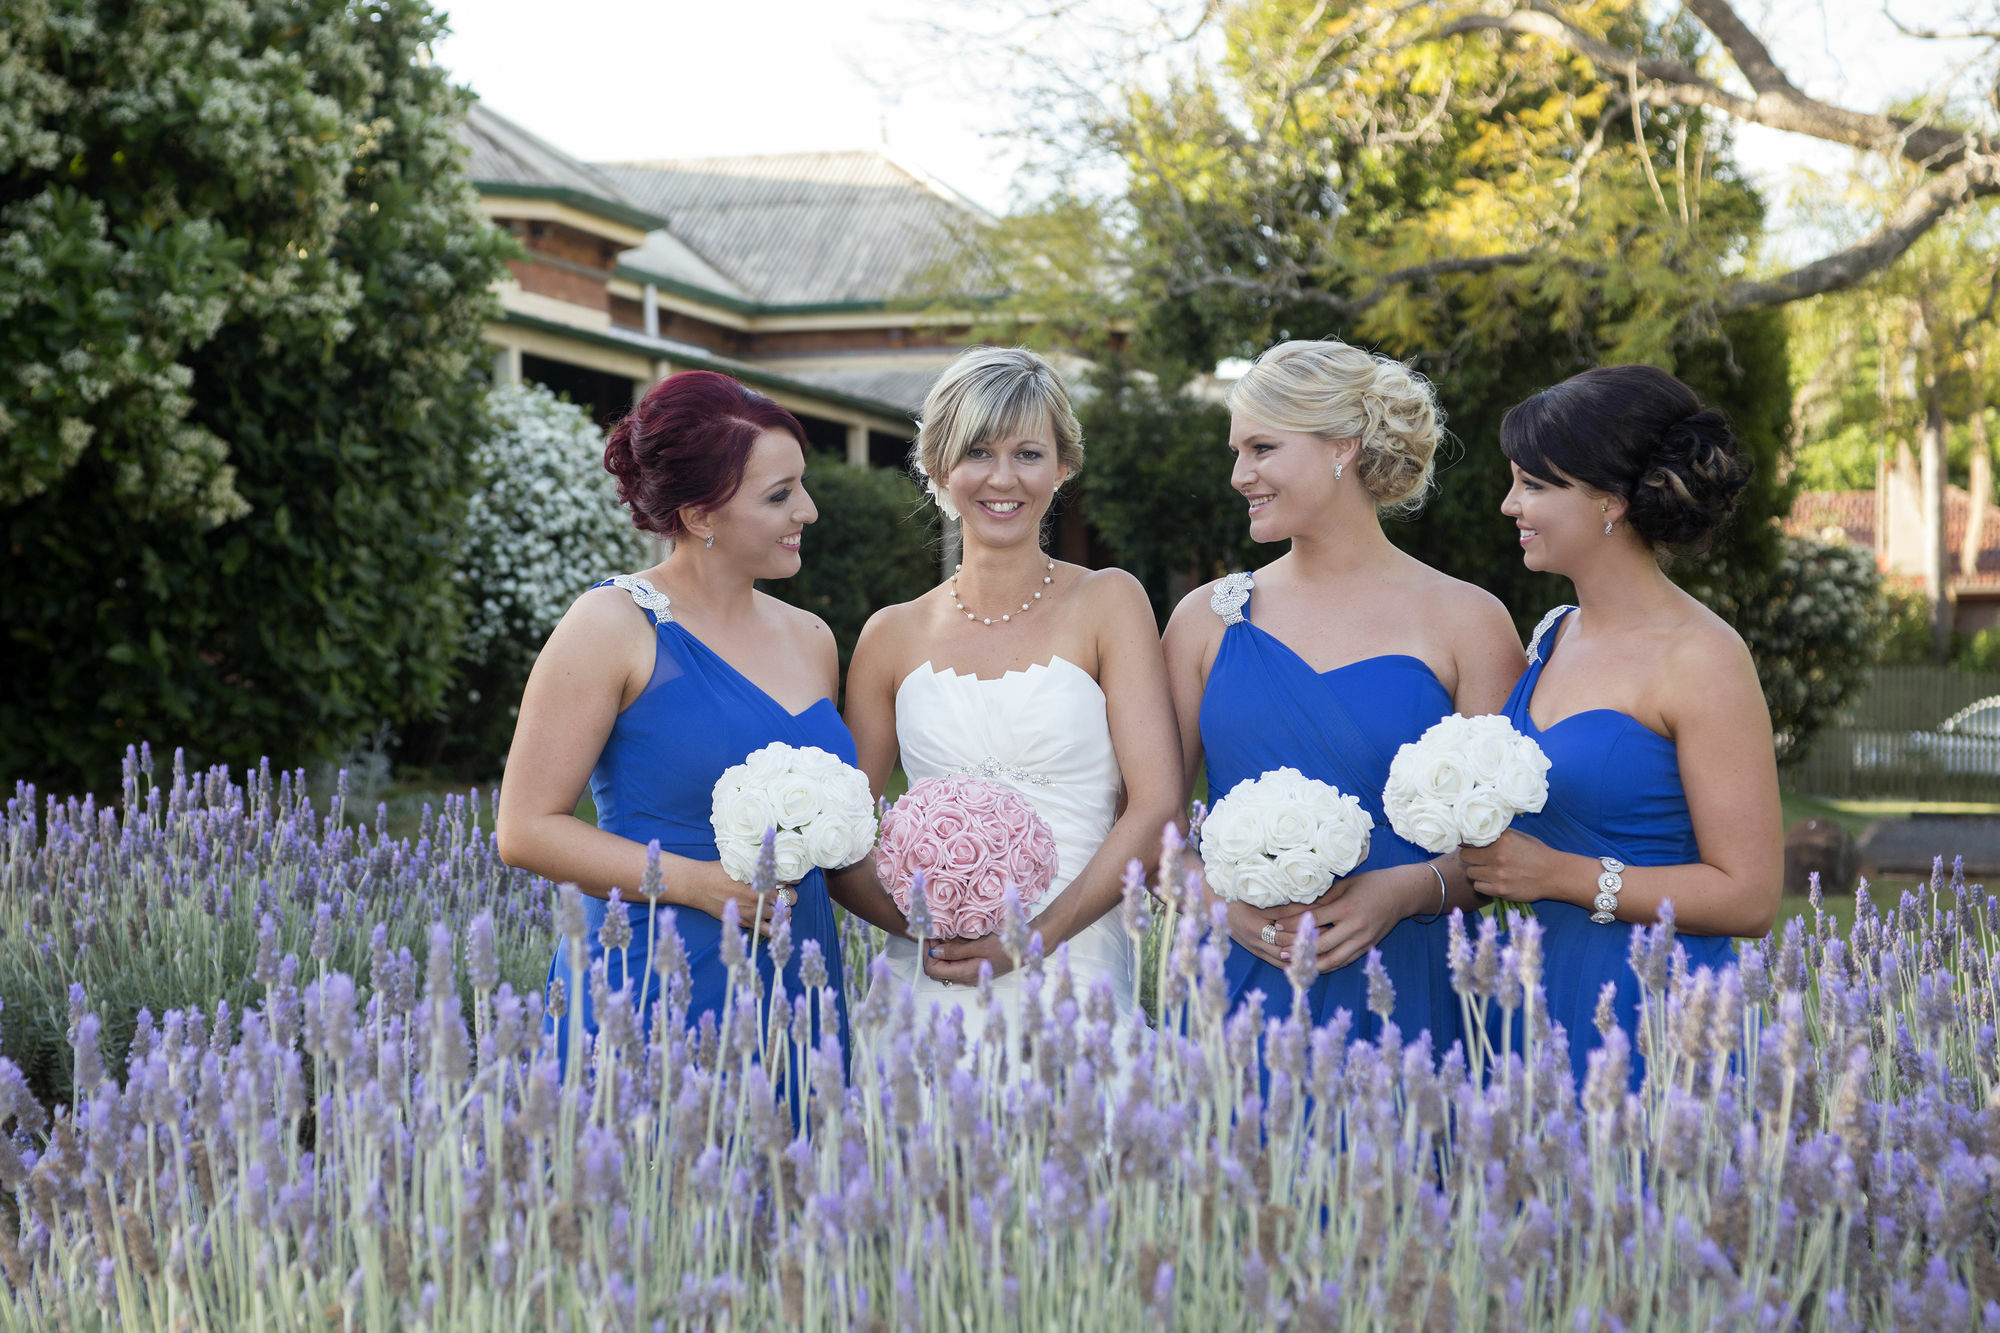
(1042, 732)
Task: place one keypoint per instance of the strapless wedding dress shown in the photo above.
(1043, 732)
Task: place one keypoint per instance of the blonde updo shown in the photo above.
(1337, 392)
(988, 394)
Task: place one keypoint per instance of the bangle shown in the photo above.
(1441, 892)
(1608, 884)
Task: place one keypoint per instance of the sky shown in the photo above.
(616, 80)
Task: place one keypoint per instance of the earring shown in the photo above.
(1607, 528)
(1605, 508)
(709, 544)
(1338, 468)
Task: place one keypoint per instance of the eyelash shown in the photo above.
(781, 497)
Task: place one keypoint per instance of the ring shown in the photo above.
(787, 896)
(1269, 934)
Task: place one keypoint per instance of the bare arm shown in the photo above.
(1722, 741)
(1139, 709)
(594, 665)
(1193, 635)
(871, 717)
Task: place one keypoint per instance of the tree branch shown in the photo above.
(1777, 102)
(1925, 206)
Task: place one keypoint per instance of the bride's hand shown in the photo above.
(957, 961)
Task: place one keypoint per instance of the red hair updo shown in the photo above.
(685, 444)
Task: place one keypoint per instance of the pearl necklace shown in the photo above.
(1048, 577)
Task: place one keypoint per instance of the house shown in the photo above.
(801, 274)
(1889, 520)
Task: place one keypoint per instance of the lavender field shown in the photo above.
(265, 1068)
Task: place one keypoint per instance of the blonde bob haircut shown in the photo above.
(989, 394)
(1337, 392)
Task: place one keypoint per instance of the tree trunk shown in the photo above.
(1982, 479)
(1931, 466)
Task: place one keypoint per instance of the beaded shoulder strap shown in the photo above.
(646, 595)
(1542, 630)
(1231, 594)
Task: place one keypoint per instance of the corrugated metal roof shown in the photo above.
(905, 388)
(502, 153)
(806, 228)
(665, 255)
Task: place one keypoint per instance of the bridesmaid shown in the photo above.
(1331, 658)
(654, 683)
(1663, 784)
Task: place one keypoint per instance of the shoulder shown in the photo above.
(888, 635)
(614, 610)
(1113, 592)
(1197, 622)
(605, 629)
(1471, 610)
(798, 627)
(1705, 649)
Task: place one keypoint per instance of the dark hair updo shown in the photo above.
(1636, 432)
(685, 444)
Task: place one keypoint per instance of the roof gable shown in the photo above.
(506, 159)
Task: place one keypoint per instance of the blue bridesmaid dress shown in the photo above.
(1614, 790)
(1265, 708)
(656, 779)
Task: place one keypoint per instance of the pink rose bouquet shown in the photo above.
(970, 839)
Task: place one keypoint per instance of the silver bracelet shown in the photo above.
(1441, 891)
(1608, 884)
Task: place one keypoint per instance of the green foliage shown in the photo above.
(1906, 637)
(1812, 623)
(240, 309)
(1156, 484)
(875, 544)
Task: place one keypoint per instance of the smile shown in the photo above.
(1001, 508)
(791, 543)
(1257, 502)
(1528, 535)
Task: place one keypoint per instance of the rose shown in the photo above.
(794, 863)
(1427, 822)
(1229, 834)
(768, 764)
(1302, 874)
(741, 814)
(1485, 752)
(1524, 782)
(1286, 825)
(797, 798)
(828, 843)
(962, 857)
(1437, 770)
(976, 921)
(1482, 816)
(1258, 884)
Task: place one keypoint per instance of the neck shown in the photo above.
(1351, 540)
(698, 581)
(1624, 586)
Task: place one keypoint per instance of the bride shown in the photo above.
(1041, 675)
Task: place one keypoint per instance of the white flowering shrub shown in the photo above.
(1813, 626)
(543, 524)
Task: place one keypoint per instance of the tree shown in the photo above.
(241, 304)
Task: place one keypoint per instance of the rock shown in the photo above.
(1823, 846)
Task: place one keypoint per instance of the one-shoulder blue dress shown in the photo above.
(656, 779)
(1614, 790)
(1265, 708)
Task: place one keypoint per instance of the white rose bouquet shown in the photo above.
(1463, 781)
(818, 807)
(1282, 838)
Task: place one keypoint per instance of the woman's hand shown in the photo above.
(1354, 915)
(1516, 867)
(957, 961)
(711, 890)
(1247, 923)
